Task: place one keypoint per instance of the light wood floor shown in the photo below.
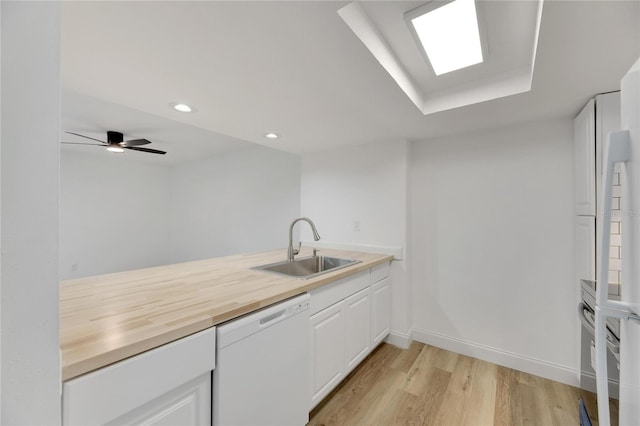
(427, 385)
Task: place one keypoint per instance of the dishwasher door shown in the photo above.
(262, 373)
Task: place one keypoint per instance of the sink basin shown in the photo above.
(307, 267)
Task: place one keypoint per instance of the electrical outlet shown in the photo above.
(356, 225)
(74, 267)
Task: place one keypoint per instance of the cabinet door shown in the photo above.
(358, 327)
(189, 404)
(167, 385)
(380, 310)
(585, 164)
(585, 247)
(327, 351)
(607, 120)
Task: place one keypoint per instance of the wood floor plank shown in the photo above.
(428, 386)
(425, 385)
(505, 406)
(481, 399)
(419, 373)
(407, 358)
(534, 405)
(453, 403)
(376, 405)
(367, 382)
(443, 359)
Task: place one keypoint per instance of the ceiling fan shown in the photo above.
(116, 143)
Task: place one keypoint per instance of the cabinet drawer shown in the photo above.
(106, 394)
(327, 295)
(380, 272)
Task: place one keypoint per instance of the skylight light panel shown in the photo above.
(449, 35)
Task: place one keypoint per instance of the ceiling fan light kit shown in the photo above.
(115, 148)
(116, 143)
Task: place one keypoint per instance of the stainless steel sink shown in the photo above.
(307, 267)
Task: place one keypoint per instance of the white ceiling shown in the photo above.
(94, 117)
(296, 68)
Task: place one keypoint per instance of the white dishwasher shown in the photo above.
(263, 367)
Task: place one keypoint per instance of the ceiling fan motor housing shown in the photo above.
(114, 137)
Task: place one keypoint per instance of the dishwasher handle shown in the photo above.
(273, 318)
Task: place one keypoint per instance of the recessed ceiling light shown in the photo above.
(182, 107)
(448, 34)
(272, 136)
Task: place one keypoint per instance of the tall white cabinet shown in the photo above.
(600, 116)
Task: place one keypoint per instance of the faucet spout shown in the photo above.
(291, 252)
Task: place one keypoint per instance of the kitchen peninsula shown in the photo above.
(105, 319)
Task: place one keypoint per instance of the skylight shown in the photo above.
(449, 34)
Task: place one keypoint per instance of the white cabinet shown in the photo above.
(349, 318)
(585, 248)
(189, 404)
(327, 350)
(600, 116)
(585, 162)
(167, 385)
(607, 120)
(380, 310)
(357, 314)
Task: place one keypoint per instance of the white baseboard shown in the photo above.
(401, 340)
(588, 382)
(537, 367)
(396, 252)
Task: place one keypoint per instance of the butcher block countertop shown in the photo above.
(107, 318)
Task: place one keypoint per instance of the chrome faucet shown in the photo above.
(292, 252)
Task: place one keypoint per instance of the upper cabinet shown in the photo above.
(600, 116)
(607, 120)
(585, 160)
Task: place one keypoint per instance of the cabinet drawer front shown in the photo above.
(380, 272)
(108, 393)
(327, 295)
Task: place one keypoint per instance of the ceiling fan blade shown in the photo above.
(88, 137)
(82, 143)
(136, 142)
(149, 150)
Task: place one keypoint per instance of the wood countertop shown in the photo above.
(107, 318)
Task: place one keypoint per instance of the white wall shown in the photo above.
(492, 246)
(368, 184)
(114, 214)
(238, 202)
(118, 214)
(30, 369)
